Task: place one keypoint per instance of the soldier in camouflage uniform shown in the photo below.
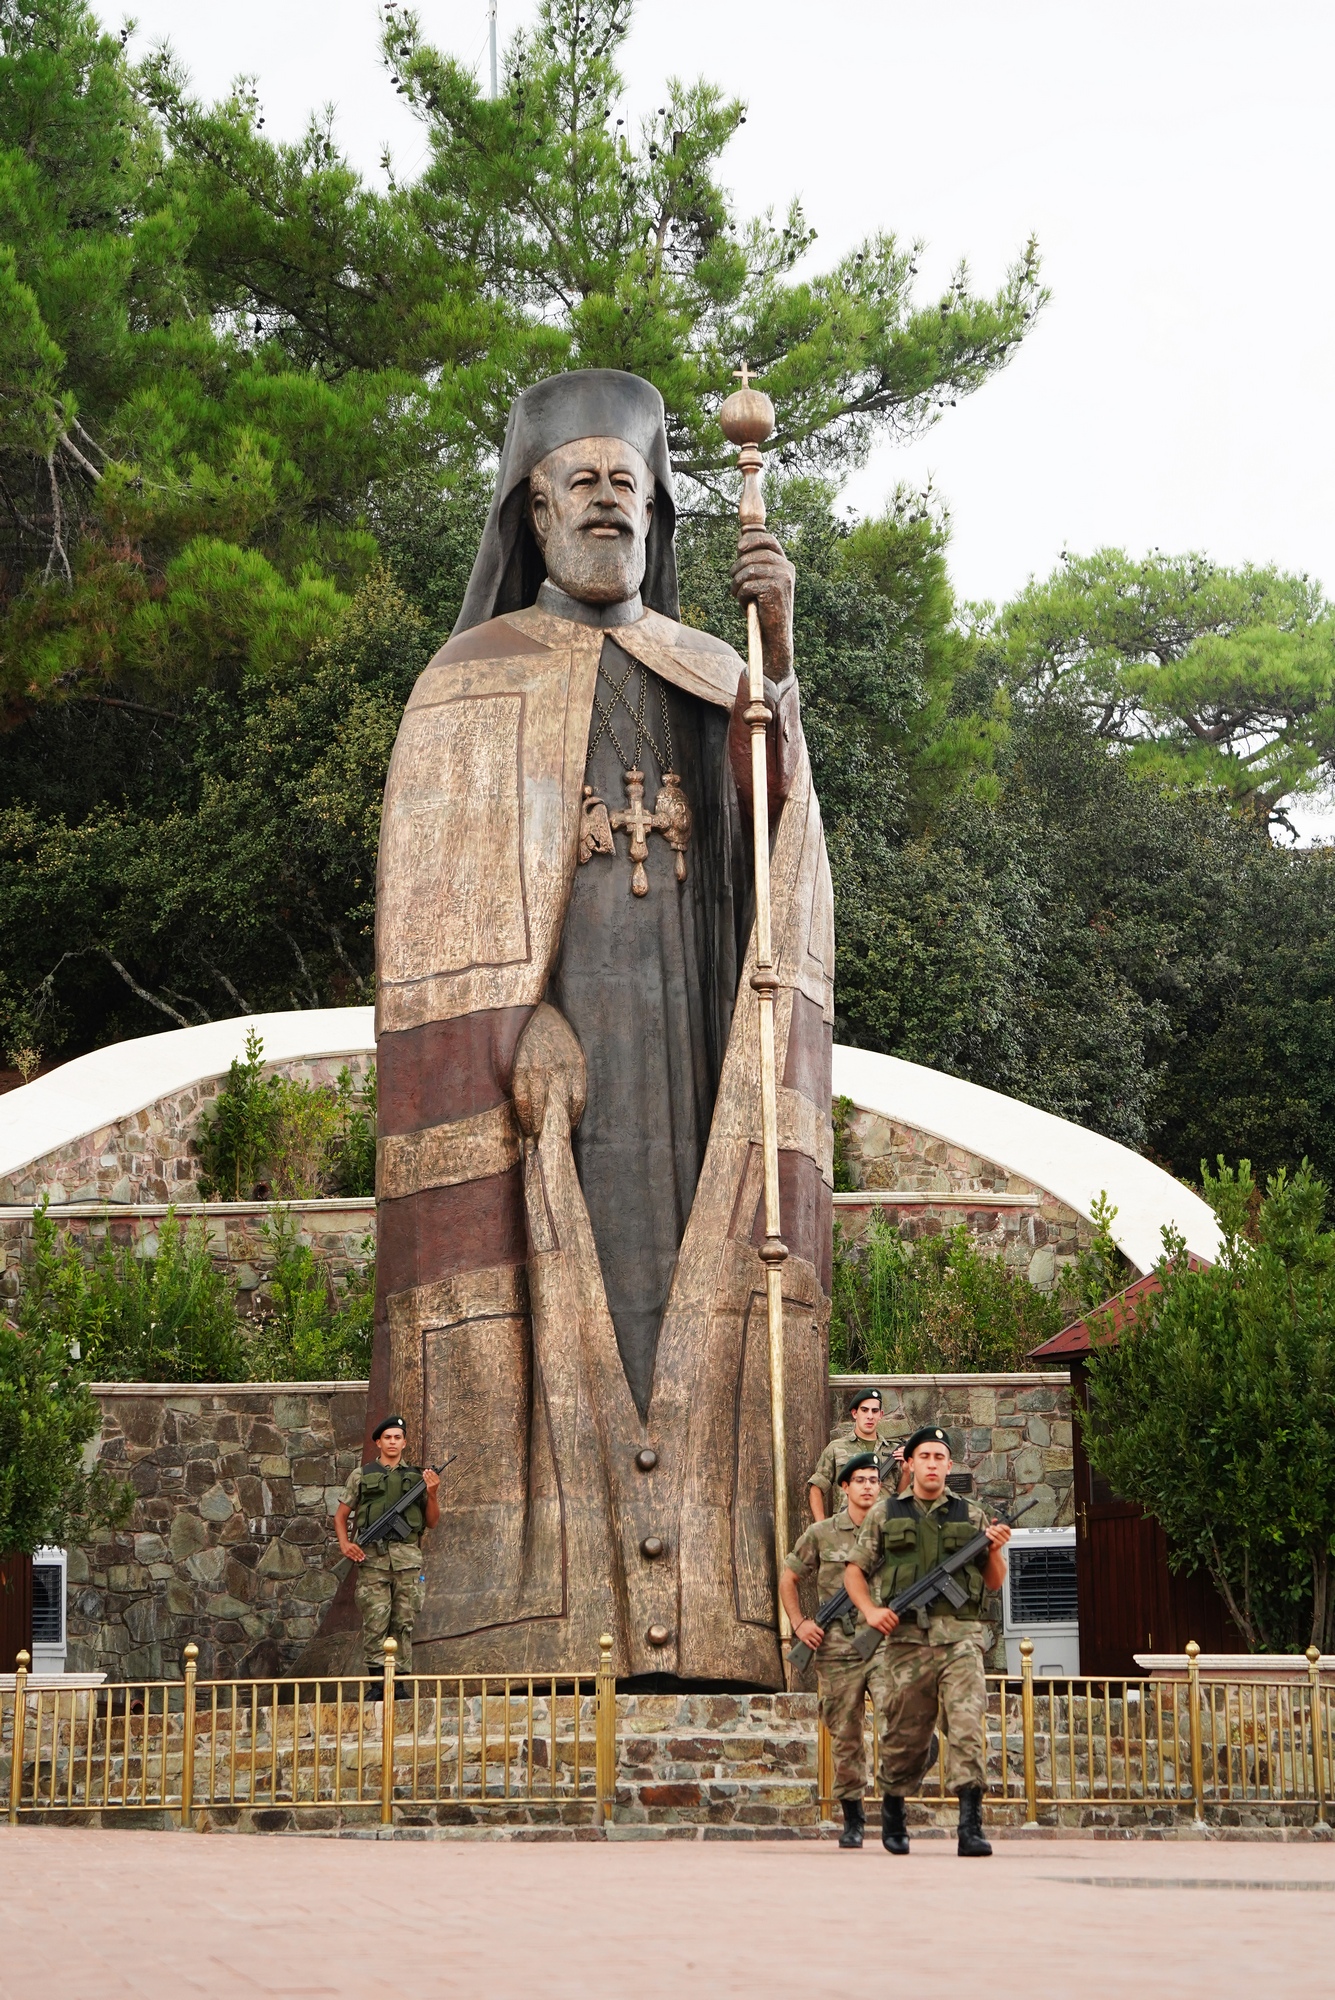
(937, 1655)
(869, 1432)
(824, 1549)
(389, 1576)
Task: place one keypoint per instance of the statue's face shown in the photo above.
(590, 504)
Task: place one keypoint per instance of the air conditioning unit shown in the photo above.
(1039, 1602)
(48, 1611)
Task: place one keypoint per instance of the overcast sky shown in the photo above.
(1174, 160)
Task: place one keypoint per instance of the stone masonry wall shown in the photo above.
(340, 1232)
(1033, 1232)
(149, 1156)
(1010, 1435)
(230, 1542)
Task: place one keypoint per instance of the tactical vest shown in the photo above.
(380, 1487)
(913, 1543)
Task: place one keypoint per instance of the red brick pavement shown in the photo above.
(91, 1915)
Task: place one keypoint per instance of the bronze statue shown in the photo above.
(570, 1290)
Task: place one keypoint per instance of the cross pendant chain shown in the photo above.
(671, 817)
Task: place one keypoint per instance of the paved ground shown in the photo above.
(107, 1915)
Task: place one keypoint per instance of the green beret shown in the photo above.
(858, 1463)
(928, 1434)
(389, 1424)
(862, 1396)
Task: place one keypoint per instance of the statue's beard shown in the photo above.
(596, 569)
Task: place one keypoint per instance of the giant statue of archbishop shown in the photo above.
(569, 1171)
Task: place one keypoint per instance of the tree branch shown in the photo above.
(144, 993)
(57, 526)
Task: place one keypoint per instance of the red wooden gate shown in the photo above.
(15, 1609)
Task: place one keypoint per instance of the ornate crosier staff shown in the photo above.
(747, 419)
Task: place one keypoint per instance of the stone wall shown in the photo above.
(230, 1542)
(1010, 1435)
(151, 1155)
(340, 1232)
(1009, 1217)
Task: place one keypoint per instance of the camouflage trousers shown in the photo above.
(908, 1683)
(843, 1680)
(389, 1597)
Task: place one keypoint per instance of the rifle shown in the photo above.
(938, 1582)
(391, 1522)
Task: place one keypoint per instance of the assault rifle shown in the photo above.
(938, 1582)
(391, 1522)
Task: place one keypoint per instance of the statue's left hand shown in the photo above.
(763, 575)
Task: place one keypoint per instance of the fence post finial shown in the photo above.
(1027, 1730)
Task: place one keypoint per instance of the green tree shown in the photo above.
(238, 376)
(1214, 1410)
(1209, 676)
(47, 1416)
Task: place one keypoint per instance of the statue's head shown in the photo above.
(589, 505)
(583, 498)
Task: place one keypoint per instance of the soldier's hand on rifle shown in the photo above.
(431, 1480)
(882, 1618)
(998, 1533)
(762, 575)
(809, 1632)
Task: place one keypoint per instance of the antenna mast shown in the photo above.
(491, 24)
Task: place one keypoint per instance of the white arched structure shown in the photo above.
(1066, 1160)
(108, 1085)
(98, 1091)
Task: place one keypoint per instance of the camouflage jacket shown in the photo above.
(939, 1626)
(843, 1446)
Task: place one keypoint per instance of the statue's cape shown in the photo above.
(508, 569)
(494, 1335)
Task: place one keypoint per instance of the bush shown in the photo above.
(937, 1306)
(277, 1135)
(1215, 1410)
(308, 1330)
(173, 1317)
(170, 1317)
(47, 1416)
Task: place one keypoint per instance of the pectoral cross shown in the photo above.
(671, 817)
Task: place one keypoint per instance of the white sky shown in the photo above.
(1173, 157)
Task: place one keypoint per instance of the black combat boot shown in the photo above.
(894, 1833)
(854, 1821)
(971, 1840)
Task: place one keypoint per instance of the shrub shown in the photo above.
(937, 1306)
(170, 1317)
(308, 1329)
(47, 1416)
(278, 1135)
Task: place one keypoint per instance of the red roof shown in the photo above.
(1112, 1316)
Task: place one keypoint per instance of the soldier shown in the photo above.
(389, 1579)
(825, 1547)
(938, 1658)
(869, 1433)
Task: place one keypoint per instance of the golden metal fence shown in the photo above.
(183, 1747)
(1201, 1741)
(432, 1740)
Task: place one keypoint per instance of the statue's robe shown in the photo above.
(494, 1339)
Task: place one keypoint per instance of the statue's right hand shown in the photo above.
(549, 1067)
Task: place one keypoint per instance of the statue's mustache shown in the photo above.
(618, 521)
